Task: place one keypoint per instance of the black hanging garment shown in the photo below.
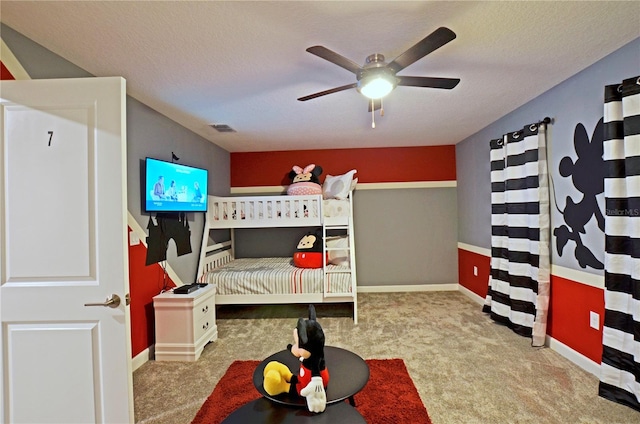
(165, 230)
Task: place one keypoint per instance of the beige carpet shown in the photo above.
(466, 368)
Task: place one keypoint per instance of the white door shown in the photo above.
(62, 245)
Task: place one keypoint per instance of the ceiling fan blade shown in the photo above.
(431, 42)
(377, 104)
(331, 91)
(446, 83)
(335, 58)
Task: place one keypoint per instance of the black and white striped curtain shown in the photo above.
(518, 294)
(620, 366)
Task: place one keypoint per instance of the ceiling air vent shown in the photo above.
(223, 128)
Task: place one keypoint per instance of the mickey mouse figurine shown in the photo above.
(313, 376)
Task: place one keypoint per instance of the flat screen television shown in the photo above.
(173, 187)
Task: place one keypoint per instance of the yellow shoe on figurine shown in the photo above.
(276, 378)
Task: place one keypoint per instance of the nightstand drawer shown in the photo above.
(202, 326)
(202, 310)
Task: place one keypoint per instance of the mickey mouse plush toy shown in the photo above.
(313, 376)
(308, 253)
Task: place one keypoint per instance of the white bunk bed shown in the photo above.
(276, 280)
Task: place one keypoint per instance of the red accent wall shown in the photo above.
(374, 165)
(466, 261)
(569, 310)
(4, 73)
(145, 282)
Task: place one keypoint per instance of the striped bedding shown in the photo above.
(273, 276)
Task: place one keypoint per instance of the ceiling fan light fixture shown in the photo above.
(377, 78)
(376, 86)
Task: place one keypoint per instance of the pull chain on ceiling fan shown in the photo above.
(378, 78)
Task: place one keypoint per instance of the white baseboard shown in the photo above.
(575, 357)
(141, 358)
(408, 288)
(471, 295)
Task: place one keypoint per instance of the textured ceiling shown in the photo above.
(244, 64)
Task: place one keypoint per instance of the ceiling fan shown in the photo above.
(377, 78)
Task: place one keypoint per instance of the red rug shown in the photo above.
(388, 398)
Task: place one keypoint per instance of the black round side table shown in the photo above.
(265, 411)
(348, 374)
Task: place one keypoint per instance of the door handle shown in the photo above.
(114, 302)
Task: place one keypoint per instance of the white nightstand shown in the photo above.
(185, 323)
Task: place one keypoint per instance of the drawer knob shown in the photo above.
(205, 309)
(205, 326)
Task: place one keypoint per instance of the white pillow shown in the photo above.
(338, 257)
(337, 187)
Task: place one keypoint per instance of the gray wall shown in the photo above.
(148, 134)
(406, 236)
(403, 237)
(152, 134)
(578, 100)
(268, 242)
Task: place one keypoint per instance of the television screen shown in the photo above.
(171, 187)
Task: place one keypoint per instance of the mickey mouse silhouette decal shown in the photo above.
(587, 175)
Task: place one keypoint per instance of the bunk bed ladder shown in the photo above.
(330, 231)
